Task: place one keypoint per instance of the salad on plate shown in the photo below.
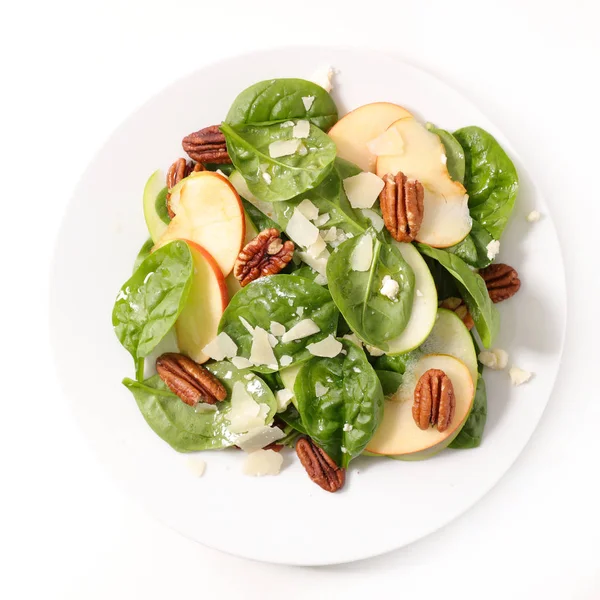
(319, 283)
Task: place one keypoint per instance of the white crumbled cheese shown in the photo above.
(321, 279)
(204, 407)
(363, 189)
(249, 376)
(501, 357)
(283, 397)
(320, 389)
(318, 264)
(300, 310)
(353, 338)
(288, 124)
(239, 362)
(389, 288)
(534, 216)
(492, 249)
(344, 450)
(321, 219)
(323, 76)
(308, 102)
(283, 148)
(302, 150)
(318, 248)
(347, 427)
(221, 347)
(196, 465)
(301, 230)
(362, 255)
(389, 142)
(245, 413)
(258, 437)
(419, 293)
(327, 348)
(263, 462)
(331, 234)
(277, 328)
(267, 178)
(494, 359)
(519, 376)
(301, 129)
(308, 209)
(247, 325)
(273, 340)
(261, 352)
(376, 220)
(285, 360)
(374, 351)
(300, 330)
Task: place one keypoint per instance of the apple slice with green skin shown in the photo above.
(361, 126)
(421, 155)
(424, 309)
(155, 205)
(288, 378)
(198, 322)
(398, 436)
(209, 213)
(233, 285)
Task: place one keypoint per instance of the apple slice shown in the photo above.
(398, 435)
(198, 322)
(361, 126)
(155, 205)
(233, 285)
(421, 155)
(209, 213)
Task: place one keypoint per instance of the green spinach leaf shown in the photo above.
(341, 402)
(292, 417)
(390, 381)
(150, 301)
(455, 154)
(277, 179)
(473, 249)
(143, 254)
(283, 299)
(375, 318)
(472, 289)
(161, 206)
(258, 218)
(472, 432)
(490, 178)
(283, 99)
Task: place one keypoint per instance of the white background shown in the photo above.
(70, 72)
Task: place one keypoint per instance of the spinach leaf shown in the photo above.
(375, 318)
(341, 402)
(224, 168)
(292, 417)
(472, 432)
(472, 289)
(473, 249)
(150, 301)
(284, 299)
(390, 381)
(445, 284)
(396, 363)
(277, 179)
(281, 100)
(161, 206)
(143, 254)
(490, 178)
(258, 218)
(455, 154)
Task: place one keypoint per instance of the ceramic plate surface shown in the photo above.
(386, 504)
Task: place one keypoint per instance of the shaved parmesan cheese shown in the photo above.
(204, 407)
(196, 465)
(301, 230)
(261, 352)
(288, 124)
(245, 412)
(247, 325)
(374, 351)
(362, 255)
(285, 360)
(363, 189)
(267, 178)
(239, 362)
(375, 219)
(277, 328)
(322, 77)
(258, 437)
(320, 279)
(263, 462)
(308, 102)
(308, 209)
(302, 150)
(301, 129)
(353, 338)
(300, 311)
(331, 234)
(519, 376)
(318, 264)
(273, 340)
(222, 346)
(301, 330)
(389, 142)
(320, 389)
(492, 249)
(319, 247)
(347, 427)
(283, 148)
(284, 397)
(389, 288)
(328, 348)
(322, 219)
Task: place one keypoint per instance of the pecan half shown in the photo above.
(266, 254)
(207, 146)
(319, 466)
(434, 402)
(179, 170)
(402, 206)
(190, 381)
(502, 281)
(460, 308)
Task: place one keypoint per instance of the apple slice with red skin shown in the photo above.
(198, 322)
(210, 214)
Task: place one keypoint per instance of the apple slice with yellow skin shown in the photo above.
(233, 285)
(360, 127)
(198, 322)
(398, 436)
(209, 212)
(421, 156)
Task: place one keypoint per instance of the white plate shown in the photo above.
(286, 519)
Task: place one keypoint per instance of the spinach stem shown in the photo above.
(139, 369)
